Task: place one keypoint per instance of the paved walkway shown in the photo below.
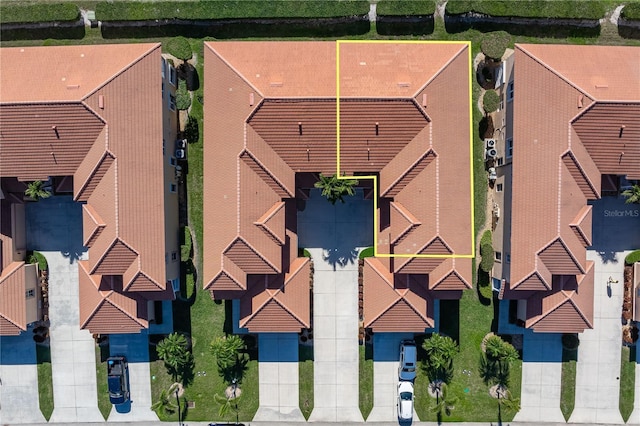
(54, 227)
(136, 348)
(333, 235)
(19, 380)
(279, 378)
(386, 354)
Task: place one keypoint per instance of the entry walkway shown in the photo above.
(279, 378)
(598, 367)
(19, 380)
(334, 235)
(54, 227)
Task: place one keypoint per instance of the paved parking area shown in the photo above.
(385, 376)
(136, 348)
(334, 235)
(279, 379)
(19, 380)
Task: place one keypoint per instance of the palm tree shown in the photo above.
(499, 350)
(632, 194)
(227, 349)
(226, 404)
(173, 350)
(36, 190)
(165, 402)
(335, 188)
(440, 352)
(445, 403)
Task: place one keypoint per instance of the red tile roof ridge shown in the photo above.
(152, 47)
(412, 221)
(267, 171)
(547, 66)
(403, 261)
(234, 69)
(580, 217)
(446, 272)
(252, 248)
(409, 168)
(136, 274)
(91, 175)
(566, 248)
(296, 266)
(387, 277)
(264, 219)
(437, 73)
(10, 269)
(534, 272)
(111, 245)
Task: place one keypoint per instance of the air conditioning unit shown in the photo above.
(491, 153)
(490, 143)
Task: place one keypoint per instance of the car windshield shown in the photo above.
(405, 396)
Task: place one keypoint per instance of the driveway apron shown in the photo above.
(54, 227)
(279, 379)
(334, 235)
(19, 380)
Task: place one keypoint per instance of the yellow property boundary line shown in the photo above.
(375, 178)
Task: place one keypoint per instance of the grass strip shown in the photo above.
(568, 382)
(406, 7)
(102, 353)
(574, 9)
(18, 12)
(228, 9)
(305, 375)
(627, 381)
(366, 379)
(45, 380)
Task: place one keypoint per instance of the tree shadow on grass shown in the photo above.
(483, 286)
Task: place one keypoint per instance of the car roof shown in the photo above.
(405, 386)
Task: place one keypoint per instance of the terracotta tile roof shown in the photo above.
(570, 103)
(13, 316)
(277, 118)
(284, 304)
(90, 110)
(395, 302)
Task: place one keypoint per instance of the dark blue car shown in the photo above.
(118, 379)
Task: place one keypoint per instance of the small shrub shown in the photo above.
(494, 44)
(192, 130)
(632, 257)
(183, 99)
(486, 251)
(570, 341)
(368, 252)
(37, 257)
(490, 101)
(631, 12)
(180, 48)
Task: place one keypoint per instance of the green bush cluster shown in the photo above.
(183, 99)
(486, 251)
(631, 12)
(406, 7)
(632, 257)
(368, 252)
(15, 12)
(228, 9)
(494, 44)
(37, 257)
(180, 48)
(490, 101)
(572, 9)
(570, 341)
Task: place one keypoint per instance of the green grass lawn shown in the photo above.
(467, 321)
(102, 353)
(305, 377)
(568, 382)
(45, 380)
(366, 379)
(627, 381)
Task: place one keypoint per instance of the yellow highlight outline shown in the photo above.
(375, 178)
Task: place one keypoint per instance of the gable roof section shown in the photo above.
(402, 222)
(282, 309)
(559, 260)
(13, 316)
(388, 308)
(581, 225)
(272, 222)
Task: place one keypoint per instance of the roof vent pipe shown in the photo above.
(580, 101)
(251, 100)
(424, 100)
(377, 128)
(101, 101)
(55, 129)
(300, 128)
(621, 130)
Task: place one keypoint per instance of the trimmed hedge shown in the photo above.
(183, 100)
(368, 252)
(570, 9)
(15, 12)
(490, 101)
(406, 7)
(180, 48)
(631, 12)
(486, 251)
(228, 9)
(632, 257)
(494, 44)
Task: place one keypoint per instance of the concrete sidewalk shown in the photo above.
(334, 235)
(598, 367)
(279, 378)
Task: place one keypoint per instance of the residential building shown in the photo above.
(270, 129)
(92, 122)
(573, 132)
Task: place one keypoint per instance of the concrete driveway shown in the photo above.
(135, 347)
(334, 234)
(19, 380)
(279, 378)
(386, 355)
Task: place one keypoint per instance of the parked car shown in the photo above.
(405, 400)
(118, 379)
(181, 154)
(407, 367)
